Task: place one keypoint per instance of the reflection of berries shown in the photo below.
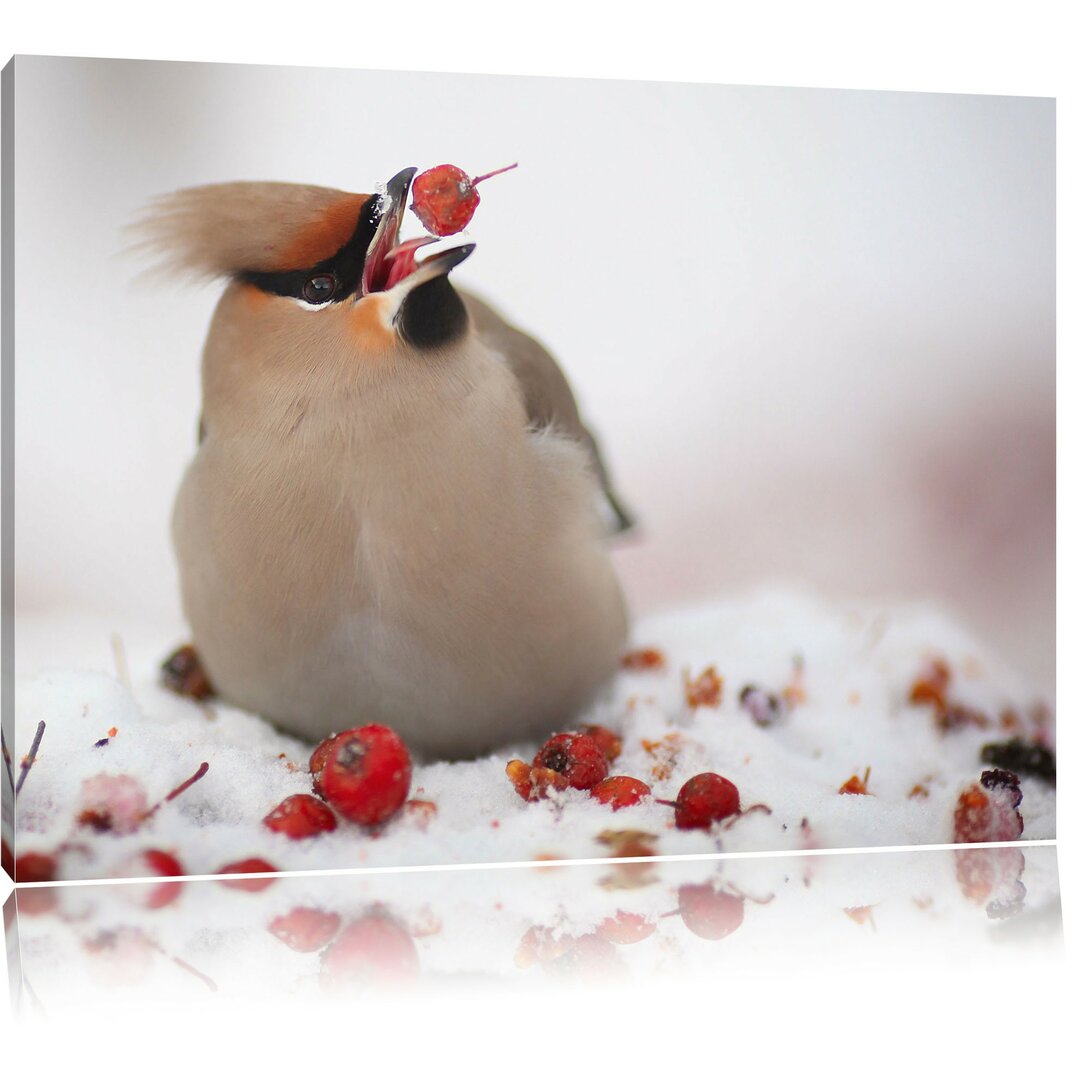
(366, 774)
(300, 816)
(305, 929)
(445, 198)
(710, 913)
(590, 955)
(620, 791)
(703, 799)
(575, 756)
(249, 866)
(624, 928)
(373, 948)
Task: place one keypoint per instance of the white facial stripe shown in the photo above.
(301, 303)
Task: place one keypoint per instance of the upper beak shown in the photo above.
(389, 263)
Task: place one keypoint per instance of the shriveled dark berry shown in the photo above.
(183, 673)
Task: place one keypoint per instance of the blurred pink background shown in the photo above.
(813, 329)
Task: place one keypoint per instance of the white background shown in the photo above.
(821, 1015)
(813, 329)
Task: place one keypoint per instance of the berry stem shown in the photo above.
(200, 772)
(30, 758)
(489, 175)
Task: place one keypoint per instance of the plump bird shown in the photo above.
(394, 514)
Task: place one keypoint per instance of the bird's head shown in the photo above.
(322, 293)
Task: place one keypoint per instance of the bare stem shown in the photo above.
(489, 175)
(7, 760)
(200, 772)
(31, 757)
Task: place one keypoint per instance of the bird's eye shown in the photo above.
(320, 288)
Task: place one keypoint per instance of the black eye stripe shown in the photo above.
(345, 265)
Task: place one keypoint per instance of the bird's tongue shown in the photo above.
(401, 259)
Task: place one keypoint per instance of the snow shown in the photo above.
(858, 662)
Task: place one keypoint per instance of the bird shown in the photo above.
(394, 513)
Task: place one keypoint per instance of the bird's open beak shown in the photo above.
(390, 262)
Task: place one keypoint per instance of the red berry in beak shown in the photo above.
(445, 198)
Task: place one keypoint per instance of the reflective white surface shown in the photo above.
(322, 936)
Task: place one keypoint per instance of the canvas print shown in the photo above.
(408, 469)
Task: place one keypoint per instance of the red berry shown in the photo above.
(318, 763)
(710, 913)
(445, 198)
(374, 947)
(249, 866)
(34, 866)
(154, 863)
(305, 929)
(703, 799)
(606, 739)
(620, 791)
(366, 774)
(648, 659)
(624, 928)
(706, 690)
(986, 811)
(576, 757)
(301, 816)
(531, 783)
(111, 803)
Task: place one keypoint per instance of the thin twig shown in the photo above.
(7, 760)
(31, 757)
(198, 775)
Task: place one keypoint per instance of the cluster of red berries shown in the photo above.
(364, 774)
(581, 759)
(577, 759)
